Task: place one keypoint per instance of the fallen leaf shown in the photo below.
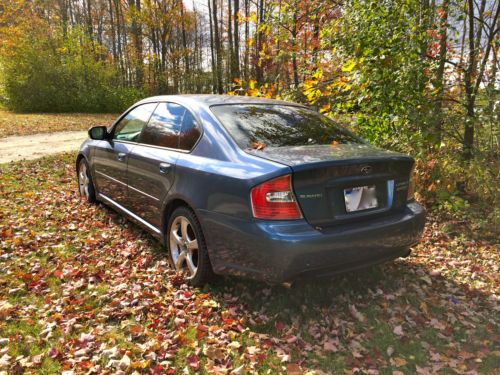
(398, 330)
(293, 369)
(5, 309)
(355, 313)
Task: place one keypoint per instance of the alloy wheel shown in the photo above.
(184, 246)
(83, 180)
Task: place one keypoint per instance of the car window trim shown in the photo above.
(154, 146)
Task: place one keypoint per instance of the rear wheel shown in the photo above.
(186, 247)
(85, 183)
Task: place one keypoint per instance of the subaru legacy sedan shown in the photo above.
(258, 188)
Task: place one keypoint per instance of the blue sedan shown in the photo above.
(259, 188)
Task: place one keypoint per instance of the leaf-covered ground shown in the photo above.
(25, 124)
(83, 290)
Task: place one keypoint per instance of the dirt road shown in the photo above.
(37, 145)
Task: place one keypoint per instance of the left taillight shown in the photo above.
(274, 200)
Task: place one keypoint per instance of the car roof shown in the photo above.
(212, 99)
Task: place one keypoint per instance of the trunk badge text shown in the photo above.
(311, 196)
(366, 169)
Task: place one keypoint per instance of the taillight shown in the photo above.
(274, 200)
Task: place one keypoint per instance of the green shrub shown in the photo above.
(63, 73)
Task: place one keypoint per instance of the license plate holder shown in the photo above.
(360, 198)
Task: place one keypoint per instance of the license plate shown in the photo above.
(360, 198)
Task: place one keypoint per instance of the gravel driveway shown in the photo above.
(38, 145)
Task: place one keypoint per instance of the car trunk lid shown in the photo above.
(344, 182)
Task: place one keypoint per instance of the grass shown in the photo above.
(26, 124)
(72, 269)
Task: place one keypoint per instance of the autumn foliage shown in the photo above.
(83, 290)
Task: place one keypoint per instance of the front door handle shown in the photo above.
(121, 156)
(165, 167)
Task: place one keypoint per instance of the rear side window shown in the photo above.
(164, 126)
(129, 128)
(268, 125)
(190, 132)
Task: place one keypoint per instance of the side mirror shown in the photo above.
(98, 132)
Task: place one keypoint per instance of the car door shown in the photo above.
(152, 162)
(111, 156)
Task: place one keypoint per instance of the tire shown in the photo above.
(85, 183)
(186, 247)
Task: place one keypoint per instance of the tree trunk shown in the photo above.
(63, 8)
(218, 51)
(236, 29)
(316, 30)
(113, 33)
(468, 141)
(439, 78)
(136, 28)
(119, 37)
(247, 37)
(230, 40)
(294, 52)
(212, 48)
(90, 31)
(187, 77)
(259, 45)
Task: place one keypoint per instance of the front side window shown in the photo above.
(269, 125)
(164, 126)
(129, 127)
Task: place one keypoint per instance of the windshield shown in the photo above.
(266, 125)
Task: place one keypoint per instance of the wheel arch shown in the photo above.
(169, 208)
(78, 159)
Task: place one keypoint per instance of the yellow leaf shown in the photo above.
(252, 83)
(325, 108)
(139, 364)
(318, 74)
(309, 84)
(349, 66)
(423, 307)
(252, 92)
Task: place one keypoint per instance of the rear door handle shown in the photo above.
(165, 167)
(121, 156)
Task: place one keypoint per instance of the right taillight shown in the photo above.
(274, 200)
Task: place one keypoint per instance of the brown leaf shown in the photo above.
(5, 309)
(293, 369)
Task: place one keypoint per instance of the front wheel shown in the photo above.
(85, 183)
(186, 247)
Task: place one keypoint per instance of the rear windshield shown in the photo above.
(266, 125)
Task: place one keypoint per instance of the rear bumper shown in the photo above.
(281, 251)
